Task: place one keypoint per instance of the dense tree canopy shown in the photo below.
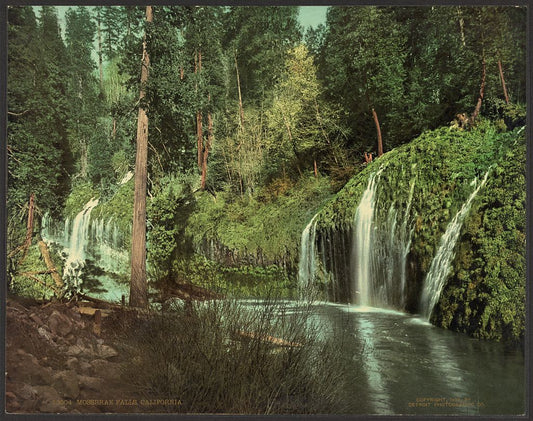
(240, 97)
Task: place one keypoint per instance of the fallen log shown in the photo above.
(269, 339)
(34, 278)
(91, 311)
(50, 264)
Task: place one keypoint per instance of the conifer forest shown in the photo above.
(266, 210)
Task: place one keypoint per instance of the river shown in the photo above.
(403, 365)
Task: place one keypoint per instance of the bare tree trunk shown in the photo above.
(29, 227)
(199, 130)
(378, 130)
(206, 150)
(503, 82)
(100, 50)
(50, 265)
(83, 159)
(316, 168)
(461, 26)
(200, 136)
(138, 285)
(481, 93)
(241, 109)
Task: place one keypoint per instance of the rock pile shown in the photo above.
(55, 363)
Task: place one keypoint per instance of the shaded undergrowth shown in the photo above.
(228, 356)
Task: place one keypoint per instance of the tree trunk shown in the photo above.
(199, 130)
(50, 265)
(100, 50)
(200, 137)
(461, 26)
(241, 109)
(316, 168)
(83, 159)
(378, 130)
(29, 227)
(206, 150)
(138, 285)
(481, 93)
(503, 82)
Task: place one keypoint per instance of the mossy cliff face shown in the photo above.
(485, 294)
(262, 230)
(420, 188)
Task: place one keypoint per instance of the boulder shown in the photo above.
(66, 383)
(92, 383)
(105, 369)
(28, 370)
(59, 324)
(73, 363)
(85, 367)
(36, 319)
(46, 335)
(74, 350)
(105, 351)
(12, 402)
(49, 400)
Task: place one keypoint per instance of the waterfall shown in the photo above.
(364, 264)
(307, 262)
(441, 263)
(363, 242)
(76, 249)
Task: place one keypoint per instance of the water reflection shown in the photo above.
(403, 365)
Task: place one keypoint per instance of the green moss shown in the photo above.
(119, 207)
(81, 193)
(489, 277)
(485, 295)
(269, 226)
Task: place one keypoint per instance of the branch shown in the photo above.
(34, 278)
(18, 114)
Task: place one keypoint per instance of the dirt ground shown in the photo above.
(65, 358)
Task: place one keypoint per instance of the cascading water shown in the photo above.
(308, 258)
(92, 249)
(441, 263)
(364, 264)
(363, 243)
(76, 249)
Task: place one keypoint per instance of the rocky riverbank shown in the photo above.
(60, 359)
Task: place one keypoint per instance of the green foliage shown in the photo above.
(80, 195)
(243, 281)
(269, 225)
(485, 296)
(119, 207)
(28, 287)
(259, 38)
(38, 150)
(168, 211)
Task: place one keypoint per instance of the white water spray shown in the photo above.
(308, 258)
(76, 249)
(363, 242)
(441, 264)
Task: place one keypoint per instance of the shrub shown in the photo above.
(214, 357)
